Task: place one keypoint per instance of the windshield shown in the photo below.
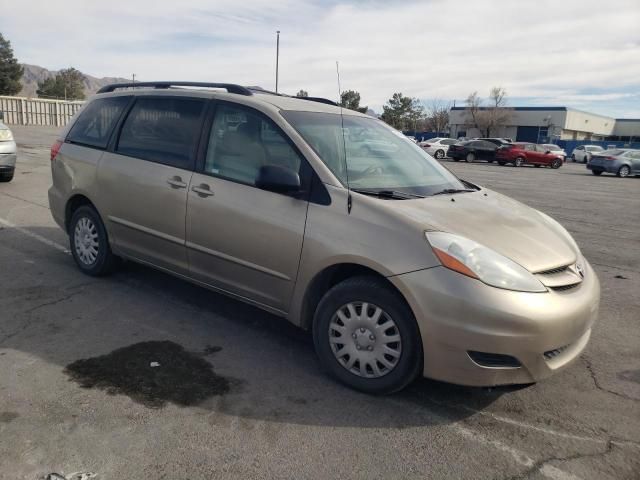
(378, 157)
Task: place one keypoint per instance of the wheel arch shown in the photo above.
(330, 276)
(74, 202)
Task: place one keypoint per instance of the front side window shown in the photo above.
(162, 130)
(243, 140)
(93, 127)
(368, 154)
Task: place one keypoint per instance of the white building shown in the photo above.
(541, 124)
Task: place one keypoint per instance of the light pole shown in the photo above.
(277, 56)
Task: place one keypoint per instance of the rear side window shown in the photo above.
(162, 130)
(93, 127)
(448, 142)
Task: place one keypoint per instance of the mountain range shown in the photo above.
(34, 74)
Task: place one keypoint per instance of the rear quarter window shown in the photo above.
(95, 123)
(162, 130)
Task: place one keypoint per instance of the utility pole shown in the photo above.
(133, 78)
(277, 56)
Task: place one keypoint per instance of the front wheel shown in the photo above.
(573, 158)
(518, 162)
(89, 242)
(439, 154)
(501, 164)
(624, 171)
(6, 176)
(537, 165)
(471, 157)
(596, 172)
(556, 163)
(365, 336)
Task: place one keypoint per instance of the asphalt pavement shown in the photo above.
(218, 389)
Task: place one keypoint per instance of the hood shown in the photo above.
(510, 228)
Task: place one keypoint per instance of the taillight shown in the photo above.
(609, 158)
(55, 148)
(426, 144)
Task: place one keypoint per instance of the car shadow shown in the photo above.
(147, 335)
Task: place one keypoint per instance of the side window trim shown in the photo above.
(306, 171)
(115, 136)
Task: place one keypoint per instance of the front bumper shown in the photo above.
(457, 314)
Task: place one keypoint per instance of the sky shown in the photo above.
(583, 54)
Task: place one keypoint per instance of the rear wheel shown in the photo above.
(470, 158)
(556, 163)
(89, 242)
(6, 176)
(365, 335)
(537, 165)
(573, 158)
(518, 162)
(596, 172)
(624, 171)
(439, 154)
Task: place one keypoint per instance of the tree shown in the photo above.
(10, 70)
(351, 100)
(403, 112)
(437, 119)
(67, 84)
(302, 93)
(491, 118)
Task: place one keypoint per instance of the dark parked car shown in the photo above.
(523, 153)
(622, 162)
(497, 141)
(473, 150)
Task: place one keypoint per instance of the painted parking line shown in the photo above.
(35, 236)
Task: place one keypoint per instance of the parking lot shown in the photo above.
(266, 410)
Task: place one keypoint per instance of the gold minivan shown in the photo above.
(328, 218)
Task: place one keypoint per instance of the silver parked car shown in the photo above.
(620, 161)
(397, 267)
(8, 152)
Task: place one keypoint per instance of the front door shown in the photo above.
(143, 181)
(240, 238)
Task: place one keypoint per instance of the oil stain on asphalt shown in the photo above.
(152, 373)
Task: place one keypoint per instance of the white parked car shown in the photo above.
(7, 153)
(437, 147)
(554, 150)
(583, 153)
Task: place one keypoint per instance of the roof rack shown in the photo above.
(311, 99)
(229, 87)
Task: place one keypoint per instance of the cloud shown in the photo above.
(427, 49)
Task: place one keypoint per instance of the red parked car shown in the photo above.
(522, 153)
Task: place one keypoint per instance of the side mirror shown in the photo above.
(548, 151)
(276, 178)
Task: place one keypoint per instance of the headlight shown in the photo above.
(5, 135)
(477, 261)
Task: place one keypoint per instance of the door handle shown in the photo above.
(176, 182)
(203, 190)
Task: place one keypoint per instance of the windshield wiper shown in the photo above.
(394, 194)
(452, 190)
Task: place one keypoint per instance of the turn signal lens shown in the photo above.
(55, 148)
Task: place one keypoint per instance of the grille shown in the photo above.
(565, 287)
(550, 354)
(494, 360)
(554, 270)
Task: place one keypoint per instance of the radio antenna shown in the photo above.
(344, 142)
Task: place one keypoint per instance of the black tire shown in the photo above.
(439, 154)
(456, 159)
(596, 172)
(490, 161)
(585, 159)
(573, 158)
(623, 171)
(556, 163)
(105, 261)
(518, 162)
(537, 165)
(502, 164)
(6, 176)
(374, 291)
(470, 158)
